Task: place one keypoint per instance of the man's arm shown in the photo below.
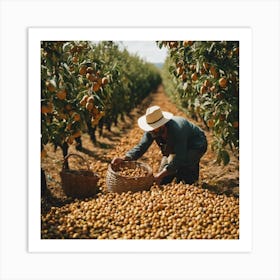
(137, 151)
(140, 149)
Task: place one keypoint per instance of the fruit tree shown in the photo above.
(204, 81)
(86, 84)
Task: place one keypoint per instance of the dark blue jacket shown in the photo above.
(182, 136)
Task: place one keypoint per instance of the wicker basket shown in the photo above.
(118, 183)
(78, 183)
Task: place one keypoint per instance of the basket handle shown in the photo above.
(76, 155)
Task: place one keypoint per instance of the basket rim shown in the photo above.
(73, 171)
(149, 169)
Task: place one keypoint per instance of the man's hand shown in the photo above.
(157, 179)
(117, 160)
(162, 174)
(159, 176)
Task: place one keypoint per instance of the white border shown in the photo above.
(244, 35)
(263, 17)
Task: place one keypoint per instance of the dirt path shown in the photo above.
(217, 178)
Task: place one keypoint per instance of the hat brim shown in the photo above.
(150, 127)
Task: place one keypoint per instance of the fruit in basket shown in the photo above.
(133, 172)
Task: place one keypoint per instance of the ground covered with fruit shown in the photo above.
(207, 210)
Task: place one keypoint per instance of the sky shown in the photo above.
(147, 50)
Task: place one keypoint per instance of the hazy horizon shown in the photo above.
(147, 50)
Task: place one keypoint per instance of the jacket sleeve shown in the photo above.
(140, 149)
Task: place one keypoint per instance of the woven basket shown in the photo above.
(118, 183)
(78, 183)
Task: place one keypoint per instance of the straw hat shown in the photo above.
(154, 118)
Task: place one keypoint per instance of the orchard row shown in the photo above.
(85, 85)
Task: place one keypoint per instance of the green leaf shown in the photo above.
(211, 47)
(197, 66)
(225, 157)
(99, 100)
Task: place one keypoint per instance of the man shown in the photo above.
(181, 142)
